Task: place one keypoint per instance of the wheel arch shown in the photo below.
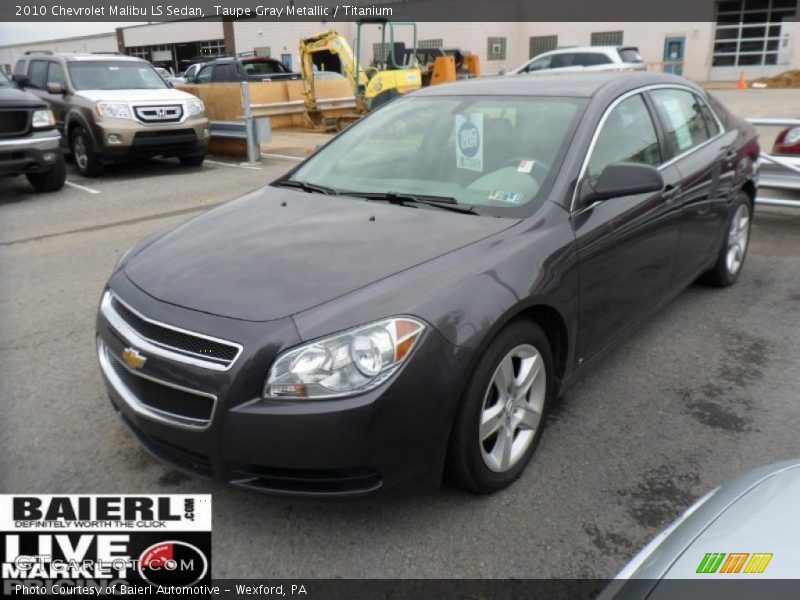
(76, 119)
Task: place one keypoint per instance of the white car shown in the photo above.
(584, 58)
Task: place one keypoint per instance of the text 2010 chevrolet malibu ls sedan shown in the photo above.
(411, 298)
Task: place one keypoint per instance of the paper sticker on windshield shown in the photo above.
(525, 166)
(503, 196)
(469, 142)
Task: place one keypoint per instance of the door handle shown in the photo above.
(671, 193)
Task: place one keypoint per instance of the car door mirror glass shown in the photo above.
(622, 179)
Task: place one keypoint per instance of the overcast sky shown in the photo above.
(13, 33)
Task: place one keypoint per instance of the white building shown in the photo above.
(756, 41)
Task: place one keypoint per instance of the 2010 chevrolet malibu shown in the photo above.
(411, 299)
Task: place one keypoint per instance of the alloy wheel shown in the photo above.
(738, 235)
(512, 408)
(79, 151)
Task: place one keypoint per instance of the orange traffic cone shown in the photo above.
(742, 84)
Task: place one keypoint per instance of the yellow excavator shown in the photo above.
(400, 71)
(386, 78)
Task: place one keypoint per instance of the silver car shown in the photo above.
(745, 530)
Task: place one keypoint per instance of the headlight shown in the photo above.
(114, 110)
(43, 118)
(344, 364)
(195, 107)
(792, 136)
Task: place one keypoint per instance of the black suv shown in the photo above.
(244, 68)
(29, 141)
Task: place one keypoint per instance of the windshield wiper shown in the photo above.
(443, 202)
(306, 187)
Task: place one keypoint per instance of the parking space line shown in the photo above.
(233, 165)
(282, 156)
(82, 187)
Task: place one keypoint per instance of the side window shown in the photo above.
(38, 73)
(591, 59)
(225, 72)
(19, 68)
(566, 59)
(55, 74)
(628, 135)
(682, 113)
(539, 64)
(711, 122)
(205, 74)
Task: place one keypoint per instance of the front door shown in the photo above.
(626, 245)
(673, 54)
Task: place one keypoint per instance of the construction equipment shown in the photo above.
(386, 78)
(439, 65)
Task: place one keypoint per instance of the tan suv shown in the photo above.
(112, 107)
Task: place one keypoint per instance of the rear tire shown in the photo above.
(86, 160)
(52, 180)
(734, 250)
(192, 160)
(502, 414)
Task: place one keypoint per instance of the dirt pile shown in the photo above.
(787, 79)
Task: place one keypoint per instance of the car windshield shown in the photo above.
(4, 82)
(492, 153)
(115, 75)
(263, 67)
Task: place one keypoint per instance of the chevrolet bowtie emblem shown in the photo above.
(133, 359)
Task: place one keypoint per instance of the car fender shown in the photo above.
(77, 116)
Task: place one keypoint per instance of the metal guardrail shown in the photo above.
(298, 106)
(778, 172)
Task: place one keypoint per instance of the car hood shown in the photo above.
(13, 97)
(277, 252)
(164, 95)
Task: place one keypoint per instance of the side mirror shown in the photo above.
(22, 81)
(55, 88)
(622, 179)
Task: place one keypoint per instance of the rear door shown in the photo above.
(703, 154)
(626, 245)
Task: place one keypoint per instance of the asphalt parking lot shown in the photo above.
(707, 389)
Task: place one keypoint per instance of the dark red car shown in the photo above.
(788, 141)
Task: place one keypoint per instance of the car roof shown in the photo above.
(582, 85)
(84, 56)
(593, 49)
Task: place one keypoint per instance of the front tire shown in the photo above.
(501, 417)
(86, 160)
(731, 258)
(52, 180)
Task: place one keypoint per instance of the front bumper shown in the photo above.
(394, 435)
(122, 139)
(34, 153)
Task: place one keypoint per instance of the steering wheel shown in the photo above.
(537, 164)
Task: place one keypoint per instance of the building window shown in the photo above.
(539, 44)
(751, 33)
(380, 52)
(427, 44)
(139, 52)
(212, 48)
(607, 38)
(496, 48)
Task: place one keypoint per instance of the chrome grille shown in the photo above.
(166, 340)
(159, 114)
(154, 398)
